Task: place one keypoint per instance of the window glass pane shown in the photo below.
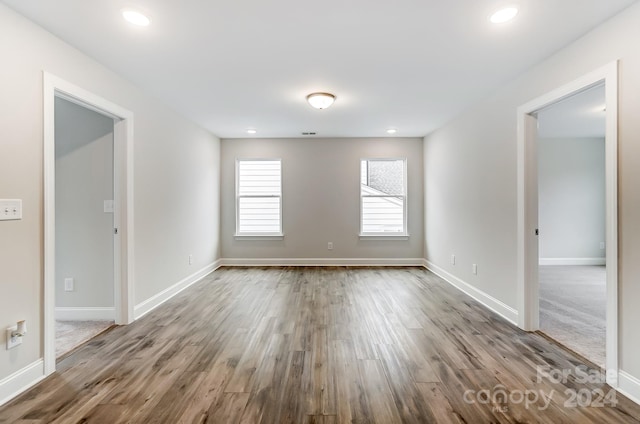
(259, 178)
(259, 215)
(382, 214)
(382, 177)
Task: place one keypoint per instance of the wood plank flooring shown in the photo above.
(319, 345)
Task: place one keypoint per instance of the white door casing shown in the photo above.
(123, 204)
(527, 243)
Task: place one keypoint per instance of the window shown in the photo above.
(383, 197)
(259, 197)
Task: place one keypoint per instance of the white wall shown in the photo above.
(84, 180)
(176, 179)
(321, 189)
(571, 197)
(470, 167)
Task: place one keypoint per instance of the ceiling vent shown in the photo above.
(308, 133)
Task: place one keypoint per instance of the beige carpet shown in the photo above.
(573, 306)
(71, 334)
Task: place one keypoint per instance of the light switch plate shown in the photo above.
(10, 209)
(68, 284)
(108, 206)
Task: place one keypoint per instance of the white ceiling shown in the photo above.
(579, 116)
(231, 65)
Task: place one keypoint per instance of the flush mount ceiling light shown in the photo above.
(135, 17)
(504, 15)
(321, 100)
(252, 131)
(392, 131)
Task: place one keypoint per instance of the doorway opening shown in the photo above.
(84, 227)
(88, 217)
(571, 220)
(529, 223)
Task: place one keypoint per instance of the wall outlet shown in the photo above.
(453, 259)
(190, 259)
(68, 284)
(602, 245)
(13, 341)
(330, 245)
(10, 209)
(474, 268)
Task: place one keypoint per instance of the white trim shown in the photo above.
(505, 311)
(322, 261)
(153, 302)
(527, 257)
(85, 314)
(611, 238)
(256, 237)
(21, 380)
(629, 386)
(573, 261)
(123, 215)
(382, 236)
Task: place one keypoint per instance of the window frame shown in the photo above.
(381, 235)
(279, 235)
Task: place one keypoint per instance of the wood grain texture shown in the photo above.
(315, 345)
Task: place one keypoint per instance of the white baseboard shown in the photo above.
(629, 386)
(493, 304)
(85, 314)
(21, 380)
(573, 261)
(153, 302)
(322, 261)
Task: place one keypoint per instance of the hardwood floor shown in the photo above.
(319, 345)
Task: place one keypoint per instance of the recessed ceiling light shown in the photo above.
(504, 15)
(136, 18)
(392, 131)
(321, 100)
(251, 131)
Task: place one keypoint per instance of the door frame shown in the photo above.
(53, 87)
(527, 244)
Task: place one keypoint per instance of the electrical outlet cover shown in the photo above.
(13, 341)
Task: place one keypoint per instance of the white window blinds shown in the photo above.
(258, 197)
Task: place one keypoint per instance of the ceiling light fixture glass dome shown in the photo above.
(321, 100)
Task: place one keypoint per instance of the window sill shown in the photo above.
(383, 236)
(258, 236)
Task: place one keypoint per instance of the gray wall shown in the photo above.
(84, 180)
(571, 193)
(321, 189)
(470, 166)
(176, 180)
